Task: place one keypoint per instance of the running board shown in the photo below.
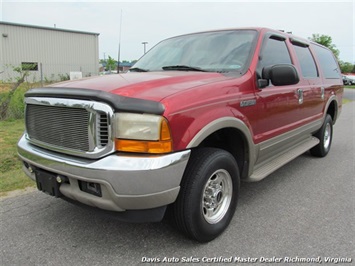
(283, 159)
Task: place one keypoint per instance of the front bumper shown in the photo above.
(128, 182)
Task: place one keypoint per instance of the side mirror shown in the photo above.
(279, 75)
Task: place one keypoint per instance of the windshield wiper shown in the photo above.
(137, 69)
(183, 68)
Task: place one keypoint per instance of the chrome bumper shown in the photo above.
(128, 182)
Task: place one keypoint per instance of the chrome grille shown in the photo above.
(102, 130)
(71, 126)
(58, 126)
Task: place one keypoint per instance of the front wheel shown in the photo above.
(325, 136)
(208, 194)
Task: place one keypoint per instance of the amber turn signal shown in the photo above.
(143, 146)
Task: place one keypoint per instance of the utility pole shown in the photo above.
(105, 61)
(144, 44)
(119, 46)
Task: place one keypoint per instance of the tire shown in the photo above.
(325, 135)
(208, 194)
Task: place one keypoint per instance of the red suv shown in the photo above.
(194, 116)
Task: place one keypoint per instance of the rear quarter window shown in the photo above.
(327, 62)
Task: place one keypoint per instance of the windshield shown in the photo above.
(220, 51)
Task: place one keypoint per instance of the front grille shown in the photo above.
(102, 130)
(58, 126)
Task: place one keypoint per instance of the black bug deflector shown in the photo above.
(117, 102)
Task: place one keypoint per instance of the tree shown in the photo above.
(111, 64)
(346, 67)
(326, 41)
(5, 101)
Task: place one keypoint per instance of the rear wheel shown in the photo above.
(208, 194)
(325, 136)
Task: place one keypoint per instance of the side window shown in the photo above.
(308, 66)
(274, 51)
(327, 62)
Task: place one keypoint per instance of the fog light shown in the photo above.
(91, 188)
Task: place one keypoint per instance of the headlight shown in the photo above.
(142, 133)
(138, 126)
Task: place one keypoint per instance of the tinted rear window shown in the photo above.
(308, 66)
(328, 65)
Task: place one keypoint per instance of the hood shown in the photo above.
(150, 85)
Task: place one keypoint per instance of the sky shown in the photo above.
(131, 23)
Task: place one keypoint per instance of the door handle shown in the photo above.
(322, 93)
(300, 96)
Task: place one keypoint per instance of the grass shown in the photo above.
(11, 175)
(4, 87)
(346, 101)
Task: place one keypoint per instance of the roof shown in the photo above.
(46, 28)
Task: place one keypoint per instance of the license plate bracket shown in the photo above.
(47, 183)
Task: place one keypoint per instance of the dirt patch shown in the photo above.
(15, 193)
(5, 87)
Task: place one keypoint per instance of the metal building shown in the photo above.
(48, 53)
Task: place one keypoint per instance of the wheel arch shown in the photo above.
(232, 135)
(332, 109)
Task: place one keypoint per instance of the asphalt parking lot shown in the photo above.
(349, 94)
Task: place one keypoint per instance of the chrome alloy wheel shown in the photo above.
(327, 136)
(217, 196)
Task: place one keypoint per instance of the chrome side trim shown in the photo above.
(322, 93)
(94, 109)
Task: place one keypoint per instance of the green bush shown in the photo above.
(12, 105)
(4, 99)
(17, 105)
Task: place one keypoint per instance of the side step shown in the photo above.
(281, 160)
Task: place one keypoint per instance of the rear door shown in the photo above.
(313, 92)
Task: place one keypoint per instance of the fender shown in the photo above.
(227, 122)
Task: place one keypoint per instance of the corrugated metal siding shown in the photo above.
(59, 51)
